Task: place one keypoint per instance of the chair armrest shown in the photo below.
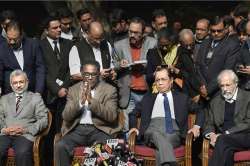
(38, 139)
(131, 141)
(57, 137)
(188, 149)
(205, 151)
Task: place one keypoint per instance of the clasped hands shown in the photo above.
(213, 138)
(86, 93)
(13, 130)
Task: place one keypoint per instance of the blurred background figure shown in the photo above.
(66, 18)
(119, 25)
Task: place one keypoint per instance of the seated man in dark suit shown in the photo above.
(228, 122)
(22, 116)
(163, 118)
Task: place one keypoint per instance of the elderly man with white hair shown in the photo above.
(228, 122)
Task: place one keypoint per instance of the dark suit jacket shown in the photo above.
(33, 65)
(56, 69)
(215, 119)
(224, 57)
(144, 110)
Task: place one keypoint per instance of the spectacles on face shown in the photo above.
(89, 75)
(217, 30)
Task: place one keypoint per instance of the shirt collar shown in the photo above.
(51, 41)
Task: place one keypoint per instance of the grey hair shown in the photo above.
(229, 73)
(18, 72)
(205, 21)
(184, 32)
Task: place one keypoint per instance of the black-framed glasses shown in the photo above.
(88, 75)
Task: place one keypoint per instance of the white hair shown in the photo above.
(184, 32)
(229, 73)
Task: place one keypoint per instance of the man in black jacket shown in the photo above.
(163, 118)
(216, 54)
(56, 55)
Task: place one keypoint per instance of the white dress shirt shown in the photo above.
(86, 116)
(75, 63)
(158, 109)
(52, 44)
(19, 56)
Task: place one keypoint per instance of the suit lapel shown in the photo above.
(25, 53)
(12, 103)
(98, 91)
(238, 102)
(127, 51)
(12, 58)
(219, 115)
(151, 103)
(50, 51)
(62, 48)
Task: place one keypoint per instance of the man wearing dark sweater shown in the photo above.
(228, 122)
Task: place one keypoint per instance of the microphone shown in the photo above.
(99, 153)
(89, 162)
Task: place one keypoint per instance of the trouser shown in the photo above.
(135, 97)
(164, 143)
(82, 135)
(225, 147)
(23, 150)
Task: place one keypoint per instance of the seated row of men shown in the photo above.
(91, 114)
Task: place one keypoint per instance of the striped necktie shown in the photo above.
(18, 101)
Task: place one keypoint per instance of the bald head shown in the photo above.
(96, 28)
(95, 33)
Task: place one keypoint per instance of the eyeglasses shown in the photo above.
(217, 30)
(88, 75)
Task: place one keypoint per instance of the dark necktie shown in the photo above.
(56, 50)
(18, 101)
(168, 119)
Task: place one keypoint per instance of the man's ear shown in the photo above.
(46, 31)
(153, 24)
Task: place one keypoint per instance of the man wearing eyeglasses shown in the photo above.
(131, 78)
(21, 52)
(90, 114)
(163, 118)
(93, 47)
(215, 54)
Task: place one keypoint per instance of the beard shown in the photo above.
(228, 95)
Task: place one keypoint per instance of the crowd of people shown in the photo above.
(87, 77)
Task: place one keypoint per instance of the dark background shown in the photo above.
(31, 13)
